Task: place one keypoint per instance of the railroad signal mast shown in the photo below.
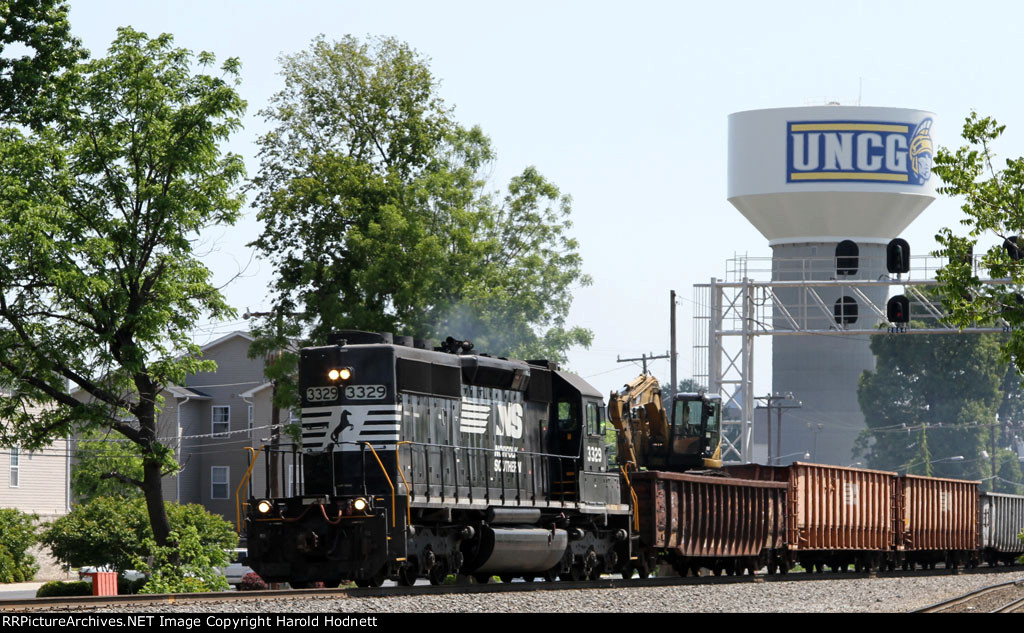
(739, 311)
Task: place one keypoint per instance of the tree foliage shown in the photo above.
(101, 209)
(377, 214)
(934, 397)
(17, 535)
(102, 466)
(116, 533)
(35, 46)
(993, 203)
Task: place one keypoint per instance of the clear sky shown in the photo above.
(624, 106)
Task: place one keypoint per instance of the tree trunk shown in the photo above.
(152, 469)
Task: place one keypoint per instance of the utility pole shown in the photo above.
(643, 357)
(769, 399)
(672, 342)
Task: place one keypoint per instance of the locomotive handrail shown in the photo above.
(394, 521)
(537, 460)
(253, 454)
(408, 492)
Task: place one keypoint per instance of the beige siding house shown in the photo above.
(36, 481)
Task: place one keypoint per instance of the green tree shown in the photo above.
(993, 203)
(116, 532)
(930, 398)
(17, 535)
(35, 46)
(377, 215)
(101, 288)
(104, 462)
(687, 385)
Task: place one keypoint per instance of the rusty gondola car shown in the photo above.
(717, 523)
(838, 516)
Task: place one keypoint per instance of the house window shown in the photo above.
(221, 421)
(219, 476)
(15, 458)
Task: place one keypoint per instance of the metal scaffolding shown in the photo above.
(729, 314)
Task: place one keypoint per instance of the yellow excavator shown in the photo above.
(687, 438)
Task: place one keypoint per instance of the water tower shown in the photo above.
(829, 187)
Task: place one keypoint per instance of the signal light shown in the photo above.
(897, 256)
(897, 310)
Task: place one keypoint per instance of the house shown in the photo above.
(211, 421)
(38, 482)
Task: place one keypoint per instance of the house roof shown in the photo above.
(187, 392)
(255, 390)
(228, 337)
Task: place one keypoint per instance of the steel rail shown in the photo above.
(973, 596)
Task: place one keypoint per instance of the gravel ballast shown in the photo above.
(879, 595)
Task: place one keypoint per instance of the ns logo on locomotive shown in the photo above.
(859, 151)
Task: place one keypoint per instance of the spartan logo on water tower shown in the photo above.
(859, 151)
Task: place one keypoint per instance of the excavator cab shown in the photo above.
(695, 434)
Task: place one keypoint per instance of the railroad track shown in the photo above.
(1007, 597)
(72, 602)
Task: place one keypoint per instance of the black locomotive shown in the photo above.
(420, 463)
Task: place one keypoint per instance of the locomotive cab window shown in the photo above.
(568, 415)
(595, 422)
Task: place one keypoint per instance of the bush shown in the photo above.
(187, 564)
(17, 535)
(115, 533)
(58, 588)
(252, 582)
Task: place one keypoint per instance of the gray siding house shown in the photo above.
(211, 421)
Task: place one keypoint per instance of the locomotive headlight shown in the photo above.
(360, 504)
(340, 374)
(264, 507)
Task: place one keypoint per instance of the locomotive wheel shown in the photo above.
(627, 571)
(551, 575)
(407, 575)
(437, 574)
(506, 578)
(576, 573)
(772, 569)
(482, 579)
